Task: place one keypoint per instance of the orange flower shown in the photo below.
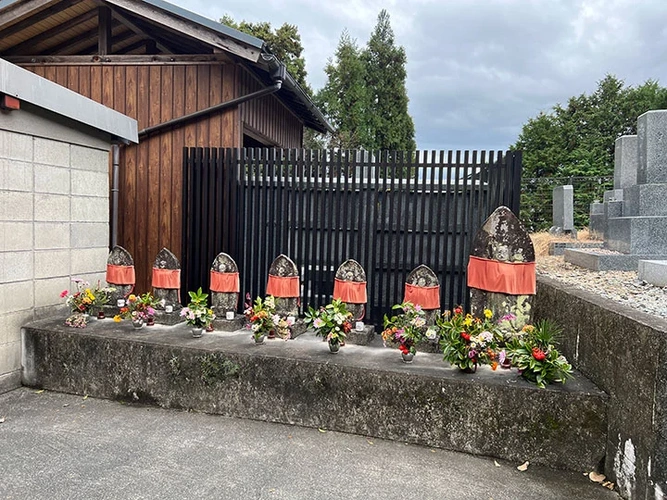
(494, 365)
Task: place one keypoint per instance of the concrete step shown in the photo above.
(364, 390)
(637, 235)
(604, 260)
(653, 271)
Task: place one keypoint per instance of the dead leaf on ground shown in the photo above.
(496, 463)
(85, 397)
(321, 430)
(40, 391)
(608, 484)
(369, 441)
(65, 405)
(524, 466)
(2, 420)
(595, 477)
(432, 451)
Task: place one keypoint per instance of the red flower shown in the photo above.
(347, 326)
(403, 349)
(466, 336)
(458, 310)
(538, 354)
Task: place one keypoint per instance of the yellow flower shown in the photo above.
(90, 294)
(467, 321)
(132, 298)
(487, 313)
(117, 318)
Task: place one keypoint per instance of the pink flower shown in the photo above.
(63, 294)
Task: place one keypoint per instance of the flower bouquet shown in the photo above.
(534, 353)
(197, 314)
(407, 329)
(260, 316)
(332, 322)
(84, 301)
(468, 341)
(139, 309)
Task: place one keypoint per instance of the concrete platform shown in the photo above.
(58, 446)
(598, 261)
(559, 247)
(653, 272)
(364, 390)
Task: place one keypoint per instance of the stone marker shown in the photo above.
(423, 281)
(120, 268)
(284, 267)
(351, 272)
(625, 162)
(227, 301)
(563, 211)
(166, 287)
(502, 239)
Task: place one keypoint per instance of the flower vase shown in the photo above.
(197, 331)
(100, 314)
(150, 321)
(272, 334)
(407, 357)
(137, 323)
(334, 347)
(467, 369)
(259, 340)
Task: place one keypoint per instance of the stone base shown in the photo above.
(170, 319)
(653, 272)
(301, 383)
(635, 235)
(10, 381)
(299, 328)
(229, 325)
(589, 259)
(558, 247)
(363, 337)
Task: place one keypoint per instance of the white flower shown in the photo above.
(289, 320)
(339, 318)
(254, 327)
(270, 302)
(276, 319)
(431, 334)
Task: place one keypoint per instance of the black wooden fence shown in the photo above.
(389, 211)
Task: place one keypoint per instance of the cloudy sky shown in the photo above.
(478, 69)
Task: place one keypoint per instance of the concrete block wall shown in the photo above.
(54, 226)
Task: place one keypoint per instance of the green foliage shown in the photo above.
(283, 42)
(198, 314)
(467, 341)
(578, 139)
(331, 322)
(408, 328)
(534, 353)
(215, 368)
(365, 95)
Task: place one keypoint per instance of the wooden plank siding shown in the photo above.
(150, 195)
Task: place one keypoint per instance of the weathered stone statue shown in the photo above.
(350, 287)
(225, 288)
(121, 276)
(283, 284)
(166, 287)
(422, 288)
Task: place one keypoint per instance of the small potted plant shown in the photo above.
(137, 309)
(468, 341)
(84, 301)
(332, 322)
(197, 314)
(260, 315)
(407, 329)
(534, 353)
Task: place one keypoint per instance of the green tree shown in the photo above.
(344, 98)
(390, 125)
(283, 42)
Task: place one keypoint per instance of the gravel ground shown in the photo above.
(620, 286)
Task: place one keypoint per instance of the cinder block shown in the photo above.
(16, 296)
(16, 266)
(87, 183)
(653, 271)
(47, 291)
(52, 263)
(10, 325)
(86, 209)
(10, 357)
(50, 179)
(625, 161)
(93, 234)
(16, 146)
(15, 175)
(16, 205)
(89, 260)
(49, 235)
(15, 236)
(50, 152)
(84, 158)
(52, 207)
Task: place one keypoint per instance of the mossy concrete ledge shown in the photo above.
(364, 390)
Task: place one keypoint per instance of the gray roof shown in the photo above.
(29, 87)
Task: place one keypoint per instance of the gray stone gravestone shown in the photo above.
(226, 300)
(286, 306)
(563, 211)
(502, 239)
(120, 275)
(168, 311)
(351, 272)
(423, 277)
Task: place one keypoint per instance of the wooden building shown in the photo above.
(187, 80)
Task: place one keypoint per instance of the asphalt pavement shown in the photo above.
(59, 446)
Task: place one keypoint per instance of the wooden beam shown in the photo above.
(143, 59)
(131, 25)
(45, 35)
(104, 42)
(132, 47)
(188, 28)
(77, 40)
(22, 9)
(93, 48)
